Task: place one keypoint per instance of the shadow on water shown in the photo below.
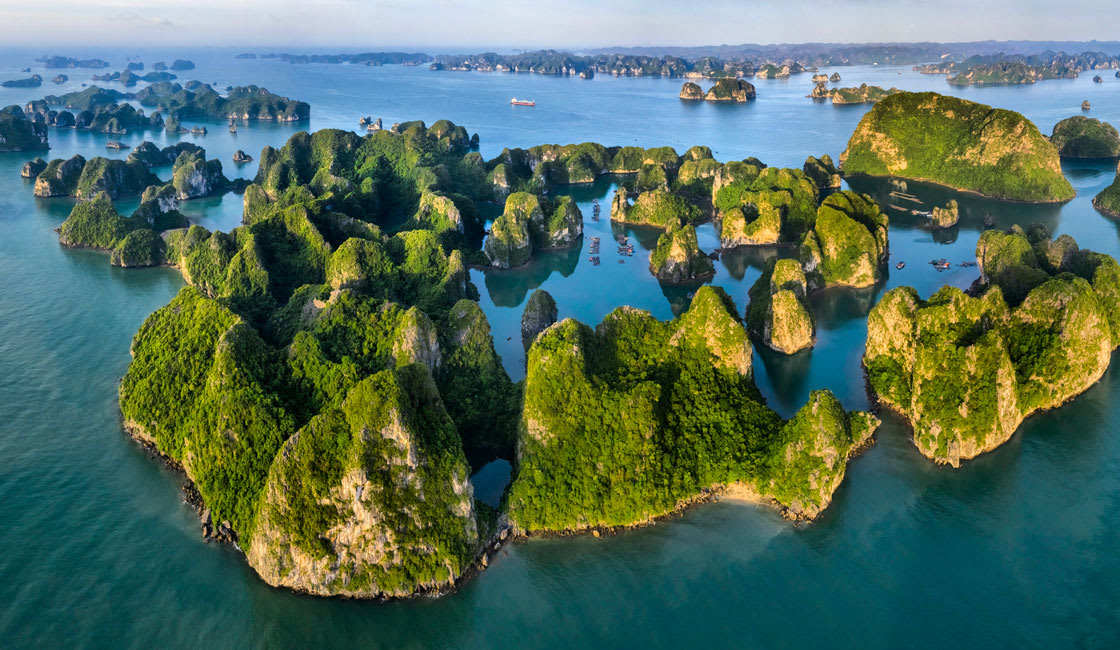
(977, 213)
(738, 260)
(509, 287)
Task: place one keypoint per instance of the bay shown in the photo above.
(1018, 548)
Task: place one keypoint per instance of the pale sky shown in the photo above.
(472, 25)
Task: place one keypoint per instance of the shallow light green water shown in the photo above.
(1019, 548)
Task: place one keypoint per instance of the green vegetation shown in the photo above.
(764, 205)
(823, 172)
(370, 498)
(779, 312)
(60, 177)
(530, 222)
(1085, 137)
(133, 241)
(627, 422)
(660, 208)
(959, 144)
(140, 247)
(200, 101)
(848, 244)
(864, 94)
(1108, 200)
(19, 133)
(117, 178)
(328, 379)
(967, 369)
(678, 259)
(94, 224)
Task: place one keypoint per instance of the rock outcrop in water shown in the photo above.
(193, 176)
(677, 258)
(60, 177)
(946, 217)
(778, 312)
(848, 243)
(539, 314)
(965, 370)
(629, 421)
(1085, 137)
(530, 222)
(18, 132)
(730, 90)
(959, 144)
(691, 92)
(33, 168)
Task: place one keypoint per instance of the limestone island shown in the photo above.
(531, 222)
(18, 132)
(864, 94)
(677, 258)
(609, 419)
(94, 108)
(34, 81)
(1085, 137)
(724, 90)
(196, 100)
(965, 369)
(959, 144)
(539, 314)
(778, 312)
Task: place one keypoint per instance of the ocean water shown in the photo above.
(1018, 548)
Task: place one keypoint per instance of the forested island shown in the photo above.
(1005, 69)
(18, 132)
(107, 110)
(328, 381)
(957, 143)
(747, 60)
(965, 369)
(864, 94)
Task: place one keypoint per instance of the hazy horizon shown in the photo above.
(474, 25)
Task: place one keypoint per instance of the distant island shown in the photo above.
(200, 101)
(1000, 70)
(724, 90)
(864, 94)
(106, 110)
(68, 62)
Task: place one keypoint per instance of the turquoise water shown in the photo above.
(1019, 548)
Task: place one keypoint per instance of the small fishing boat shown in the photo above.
(900, 265)
(522, 102)
(113, 144)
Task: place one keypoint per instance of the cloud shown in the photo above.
(135, 20)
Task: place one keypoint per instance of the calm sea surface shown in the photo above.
(1019, 548)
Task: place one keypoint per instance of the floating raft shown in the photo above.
(904, 196)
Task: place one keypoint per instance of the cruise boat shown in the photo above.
(522, 102)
